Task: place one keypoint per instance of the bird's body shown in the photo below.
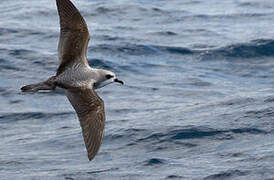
(77, 78)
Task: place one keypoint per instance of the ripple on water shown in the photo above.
(13, 117)
(154, 162)
(227, 175)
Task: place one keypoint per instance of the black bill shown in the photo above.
(118, 81)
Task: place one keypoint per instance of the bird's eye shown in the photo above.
(108, 76)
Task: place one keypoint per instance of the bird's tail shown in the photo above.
(47, 85)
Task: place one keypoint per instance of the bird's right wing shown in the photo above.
(74, 35)
(90, 110)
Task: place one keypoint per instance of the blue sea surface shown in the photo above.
(198, 99)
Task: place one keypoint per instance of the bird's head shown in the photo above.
(104, 78)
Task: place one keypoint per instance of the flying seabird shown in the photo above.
(77, 78)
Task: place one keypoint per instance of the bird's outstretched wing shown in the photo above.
(74, 35)
(90, 110)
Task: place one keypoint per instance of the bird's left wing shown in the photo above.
(90, 110)
(74, 35)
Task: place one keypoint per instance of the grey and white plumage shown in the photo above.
(77, 78)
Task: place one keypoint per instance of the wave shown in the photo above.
(253, 49)
(260, 114)
(154, 161)
(199, 132)
(5, 92)
(174, 177)
(100, 63)
(5, 31)
(227, 174)
(165, 33)
(228, 16)
(139, 49)
(182, 133)
(123, 9)
(14, 117)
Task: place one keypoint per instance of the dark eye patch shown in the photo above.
(108, 76)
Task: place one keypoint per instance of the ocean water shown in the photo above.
(198, 99)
